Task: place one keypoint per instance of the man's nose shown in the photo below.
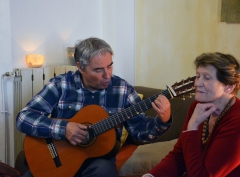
(106, 74)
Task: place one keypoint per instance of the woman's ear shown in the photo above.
(230, 88)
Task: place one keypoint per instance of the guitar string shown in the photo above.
(61, 145)
(132, 110)
(129, 112)
(101, 126)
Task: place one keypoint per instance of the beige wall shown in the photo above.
(171, 33)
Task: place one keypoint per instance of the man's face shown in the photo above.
(98, 73)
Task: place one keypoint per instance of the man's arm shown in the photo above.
(145, 128)
(33, 119)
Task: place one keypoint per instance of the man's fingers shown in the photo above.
(76, 133)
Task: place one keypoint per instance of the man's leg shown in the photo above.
(27, 174)
(97, 168)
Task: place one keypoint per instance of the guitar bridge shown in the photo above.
(53, 152)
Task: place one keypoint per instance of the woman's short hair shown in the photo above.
(88, 48)
(228, 69)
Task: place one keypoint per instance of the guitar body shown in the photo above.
(71, 157)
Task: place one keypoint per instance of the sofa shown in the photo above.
(136, 158)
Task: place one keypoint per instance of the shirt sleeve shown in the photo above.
(173, 164)
(33, 119)
(143, 127)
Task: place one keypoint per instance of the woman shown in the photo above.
(209, 144)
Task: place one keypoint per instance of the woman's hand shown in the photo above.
(148, 175)
(201, 112)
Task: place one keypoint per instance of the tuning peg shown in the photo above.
(190, 95)
(182, 97)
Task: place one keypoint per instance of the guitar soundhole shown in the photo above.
(91, 138)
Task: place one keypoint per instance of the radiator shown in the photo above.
(27, 83)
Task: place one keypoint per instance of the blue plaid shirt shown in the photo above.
(63, 96)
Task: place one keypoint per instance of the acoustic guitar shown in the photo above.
(47, 157)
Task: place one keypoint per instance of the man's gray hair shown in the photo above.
(88, 48)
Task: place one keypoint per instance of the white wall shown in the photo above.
(49, 27)
(119, 30)
(5, 65)
(171, 34)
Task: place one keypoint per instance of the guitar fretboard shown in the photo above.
(110, 122)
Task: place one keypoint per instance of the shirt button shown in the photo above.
(92, 96)
(70, 106)
(109, 111)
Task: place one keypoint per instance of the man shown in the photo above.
(92, 83)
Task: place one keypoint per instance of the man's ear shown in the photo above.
(79, 67)
(78, 64)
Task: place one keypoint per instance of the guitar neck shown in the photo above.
(110, 122)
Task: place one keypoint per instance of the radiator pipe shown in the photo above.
(3, 111)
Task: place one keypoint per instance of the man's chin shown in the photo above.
(102, 87)
(105, 85)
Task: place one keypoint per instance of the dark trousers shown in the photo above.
(93, 168)
(97, 168)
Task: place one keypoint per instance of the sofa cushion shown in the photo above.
(124, 136)
(124, 154)
(145, 157)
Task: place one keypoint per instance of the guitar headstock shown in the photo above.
(184, 87)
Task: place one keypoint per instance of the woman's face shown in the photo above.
(208, 87)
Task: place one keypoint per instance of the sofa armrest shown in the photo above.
(20, 164)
